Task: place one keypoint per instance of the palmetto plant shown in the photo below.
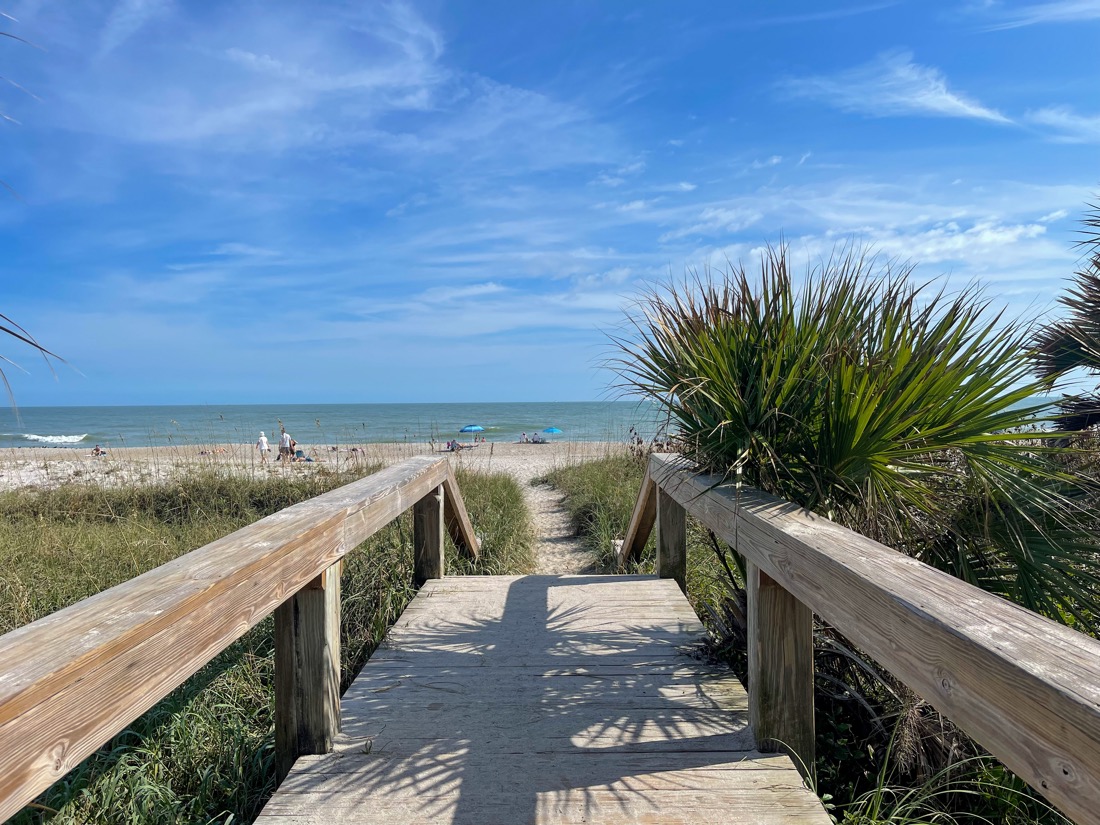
(1074, 343)
(892, 407)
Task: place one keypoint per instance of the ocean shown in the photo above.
(81, 427)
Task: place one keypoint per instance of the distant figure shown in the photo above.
(286, 450)
(523, 437)
(98, 451)
(261, 445)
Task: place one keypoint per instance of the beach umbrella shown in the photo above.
(551, 430)
(472, 428)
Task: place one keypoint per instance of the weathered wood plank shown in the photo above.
(428, 562)
(671, 539)
(307, 670)
(70, 681)
(458, 520)
(781, 669)
(1025, 687)
(543, 719)
(641, 522)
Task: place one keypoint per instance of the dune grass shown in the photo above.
(205, 754)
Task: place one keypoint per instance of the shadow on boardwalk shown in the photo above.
(544, 699)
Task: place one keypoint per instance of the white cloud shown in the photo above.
(716, 220)
(682, 186)
(620, 175)
(126, 19)
(443, 295)
(1070, 126)
(774, 160)
(891, 85)
(1056, 11)
(1051, 217)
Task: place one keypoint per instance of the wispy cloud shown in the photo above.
(126, 19)
(715, 219)
(1056, 11)
(1069, 126)
(774, 160)
(891, 85)
(813, 17)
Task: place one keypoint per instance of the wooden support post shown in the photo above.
(307, 670)
(781, 669)
(671, 540)
(428, 537)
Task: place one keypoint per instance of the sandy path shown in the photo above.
(557, 549)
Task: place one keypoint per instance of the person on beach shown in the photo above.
(261, 445)
(286, 452)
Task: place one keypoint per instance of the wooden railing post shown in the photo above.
(671, 539)
(781, 669)
(307, 670)
(428, 537)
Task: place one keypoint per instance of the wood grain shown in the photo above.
(1025, 687)
(641, 522)
(781, 669)
(428, 531)
(71, 680)
(307, 670)
(520, 699)
(671, 540)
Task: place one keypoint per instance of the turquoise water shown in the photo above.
(82, 427)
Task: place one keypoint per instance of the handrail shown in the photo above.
(1025, 687)
(73, 679)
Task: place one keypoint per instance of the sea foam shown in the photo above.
(55, 439)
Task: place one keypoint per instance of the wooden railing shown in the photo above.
(1024, 687)
(72, 680)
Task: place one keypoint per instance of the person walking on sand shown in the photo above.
(285, 450)
(261, 445)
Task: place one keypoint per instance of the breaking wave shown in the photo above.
(54, 439)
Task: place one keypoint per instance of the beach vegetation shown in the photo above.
(890, 406)
(1073, 343)
(904, 412)
(205, 754)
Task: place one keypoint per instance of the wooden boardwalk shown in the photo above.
(544, 699)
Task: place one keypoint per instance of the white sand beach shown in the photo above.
(557, 550)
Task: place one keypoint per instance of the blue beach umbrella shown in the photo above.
(472, 428)
(551, 430)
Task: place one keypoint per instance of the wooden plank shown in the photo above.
(428, 537)
(1025, 687)
(593, 788)
(671, 539)
(547, 725)
(781, 669)
(458, 520)
(70, 681)
(641, 522)
(307, 670)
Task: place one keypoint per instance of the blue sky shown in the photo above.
(241, 202)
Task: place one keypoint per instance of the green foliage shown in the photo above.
(498, 513)
(1074, 342)
(599, 497)
(894, 409)
(205, 754)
